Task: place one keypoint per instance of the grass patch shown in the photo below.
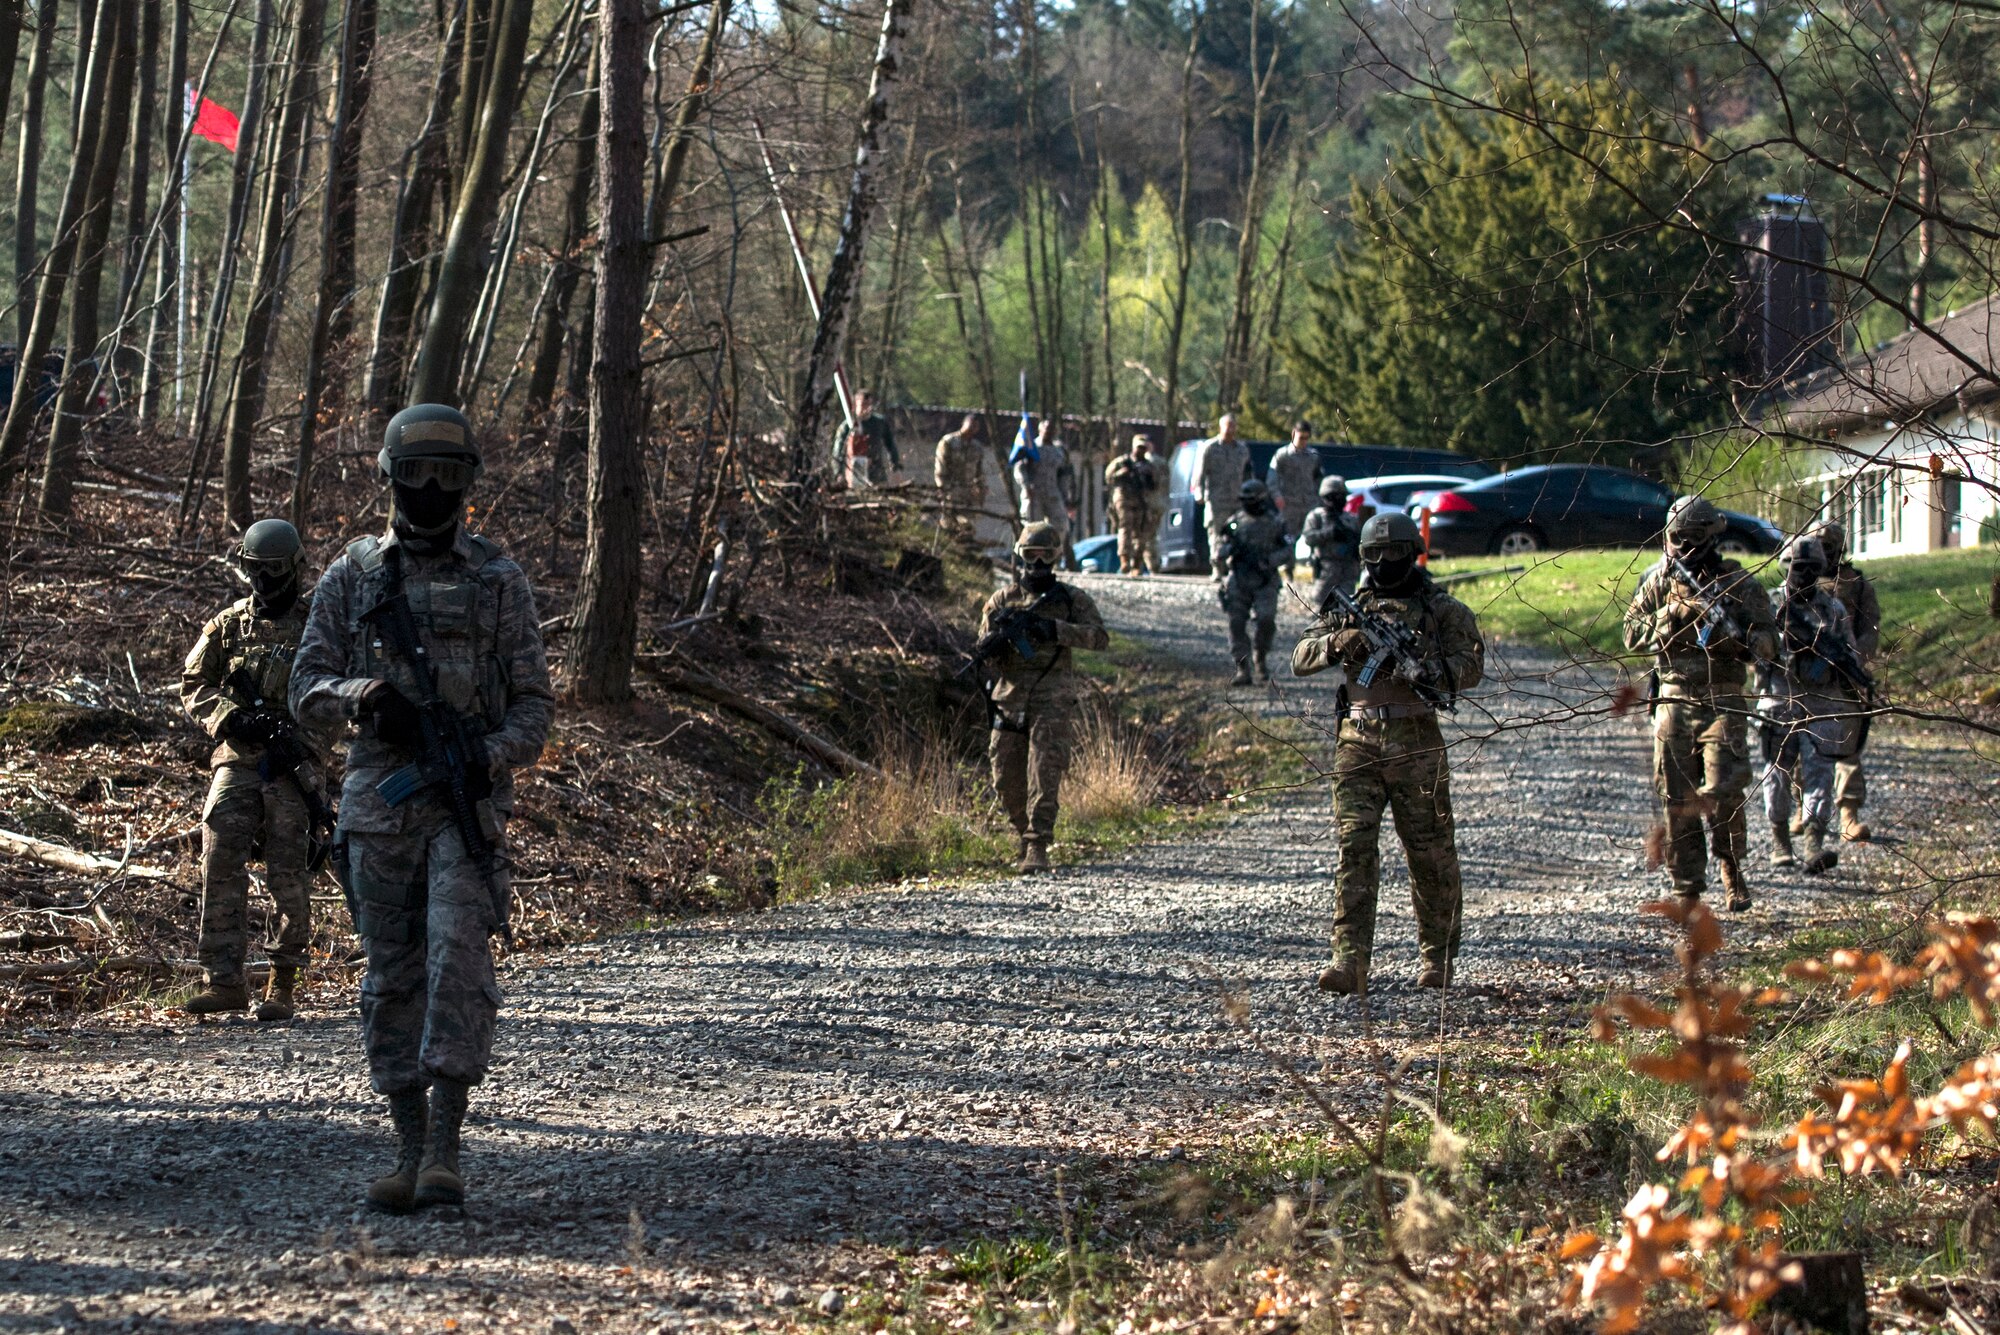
(1936, 636)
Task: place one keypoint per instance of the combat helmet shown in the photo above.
(271, 556)
(1252, 490)
(1694, 519)
(430, 442)
(1039, 540)
(1390, 546)
(1832, 535)
(1388, 528)
(1332, 487)
(1805, 553)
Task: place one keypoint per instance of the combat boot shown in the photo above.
(1733, 882)
(1435, 973)
(1344, 978)
(1263, 670)
(396, 1192)
(1034, 856)
(1819, 858)
(438, 1182)
(277, 1003)
(219, 998)
(1852, 828)
(1242, 677)
(1781, 847)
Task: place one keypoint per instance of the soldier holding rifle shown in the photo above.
(426, 639)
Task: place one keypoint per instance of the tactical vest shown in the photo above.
(457, 613)
(263, 648)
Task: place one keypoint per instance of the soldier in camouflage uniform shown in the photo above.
(1864, 618)
(1034, 697)
(1806, 717)
(1333, 536)
(1703, 645)
(1253, 546)
(1390, 753)
(959, 470)
(424, 910)
(234, 686)
(1129, 479)
(1220, 464)
(1294, 481)
(1159, 502)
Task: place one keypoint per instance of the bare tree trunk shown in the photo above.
(1282, 271)
(246, 396)
(1250, 233)
(843, 278)
(426, 173)
(604, 631)
(693, 103)
(86, 31)
(117, 38)
(1183, 236)
(21, 411)
(472, 55)
(332, 318)
(138, 193)
(568, 268)
(462, 266)
(27, 179)
(13, 19)
(1104, 180)
(166, 314)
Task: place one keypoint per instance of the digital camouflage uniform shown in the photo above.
(1035, 703)
(1294, 479)
(1129, 481)
(1040, 482)
(246, 810)
(1807, 712)
(1334, 539)
(1220, 466)
(1252, 548)
(960, 473)
(1701, 746)
(1390, 756)
(1159, 501)
(423, 910)
(1856, 593)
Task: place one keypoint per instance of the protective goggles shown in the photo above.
(1377, 552)
(450, 471)
(267, 567)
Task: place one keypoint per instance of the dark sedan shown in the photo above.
(1568, 505)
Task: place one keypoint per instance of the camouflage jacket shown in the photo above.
(1293, 478)
(957, 468)
(1252, 548)
(1130, 481)
(262, 646)
(1821, 615)
(1163, 481)
(1446, 631)
(476, 616)
(1331, 535)
(1864, 610)
(1041, 485)
(1219, 469)
(1050, 669)
(1665, 621)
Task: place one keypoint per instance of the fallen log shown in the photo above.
(691, 680)
(69, 859)
(104, 964)
(35, 941)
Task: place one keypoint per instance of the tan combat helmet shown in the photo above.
(1333, 487)
(1039, 541)
(1693, 521)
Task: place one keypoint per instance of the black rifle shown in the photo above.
(285, 754)
(449, 746)
(1801, 626)
(1716, 618)
(1391, 644)
(1010, 630)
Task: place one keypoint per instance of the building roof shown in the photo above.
(1953, 362)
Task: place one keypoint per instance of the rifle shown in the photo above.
(449, 746)
(1010, 631)
(1390, 644)
(1838, 657)
(1716, 618)
(285, 754)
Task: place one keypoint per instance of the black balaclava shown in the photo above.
(1256, 505)
(426, 517)
(1035, 574)
(1393, 575)
(273, 591)
(1700, 553)
(1802, 575)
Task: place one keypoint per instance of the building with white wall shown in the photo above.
(1912, 430)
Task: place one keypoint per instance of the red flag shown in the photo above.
(213, 122)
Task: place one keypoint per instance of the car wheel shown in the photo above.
(1734, 543)
(1517, 540)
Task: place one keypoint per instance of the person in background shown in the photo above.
(1221, 463)
(1864, 619)
(1293, 478)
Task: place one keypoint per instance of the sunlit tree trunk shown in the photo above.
(27, 179)
(165, 319)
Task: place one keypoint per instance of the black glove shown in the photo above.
(1041, 630)
(391, 715)
(238, 725)
(478, 774)
(264, 725)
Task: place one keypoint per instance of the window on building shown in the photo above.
(1950, 505)
(1897, 494)
(1869, 500)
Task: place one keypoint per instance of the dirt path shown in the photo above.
(685, 1125)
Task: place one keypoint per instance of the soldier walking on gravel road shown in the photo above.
(1129, 479)
(1253, 547)
(1220, 465)
(1028, 634)
(1864, 618)
(1294, 481)
(1706, 621)
(426, 638)
(1333, 536)
(1408, 648)
(266, 791)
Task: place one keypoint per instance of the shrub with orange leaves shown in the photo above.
(1715, 1233)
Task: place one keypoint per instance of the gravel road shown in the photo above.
(696, 1125)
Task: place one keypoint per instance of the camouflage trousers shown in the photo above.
(425, 916)
(1243, 605)
(1029, 749)
(1850, 783)
(1397, 765)
(961, 517)
(243, 810)
(1701, 770)
(1795, 759)
(1136, 538)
